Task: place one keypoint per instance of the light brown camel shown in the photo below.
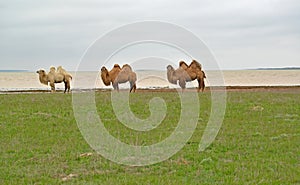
(55, 77)
(119, 75)
(109, 76)
(186, 73)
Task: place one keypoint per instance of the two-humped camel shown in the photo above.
(186, 73)
(119, 75)
(55, 76)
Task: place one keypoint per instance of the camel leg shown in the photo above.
(132, 86)
(52, 85)
(182, 83)
(66, 86)
(201, 85)
(116, 86)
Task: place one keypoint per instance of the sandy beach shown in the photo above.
(236, 80)
(279, 89)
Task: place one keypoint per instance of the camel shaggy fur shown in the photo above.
(55, 77)
(61, 70)
(119, 75)
(186, 73)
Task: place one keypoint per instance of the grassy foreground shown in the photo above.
(257, 144)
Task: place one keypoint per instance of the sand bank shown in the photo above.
(295, 89)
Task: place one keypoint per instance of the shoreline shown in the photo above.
(295, 88)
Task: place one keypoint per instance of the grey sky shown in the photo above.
(241, 34)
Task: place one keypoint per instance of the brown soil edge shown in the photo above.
(295, 89)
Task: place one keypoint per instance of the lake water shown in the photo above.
(10, 81)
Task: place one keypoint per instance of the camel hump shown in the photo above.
(195, 64)
(61, 70)
(127, 66)
(183, 65)
(52, 69)
(117, 66)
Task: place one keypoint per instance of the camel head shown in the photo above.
(41, 72)
(105, 76)
(103, 69)
(170, 68)
(43, 77)
(172, 78)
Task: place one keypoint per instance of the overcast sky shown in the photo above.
(241, 34)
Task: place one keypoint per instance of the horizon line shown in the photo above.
(259, 68)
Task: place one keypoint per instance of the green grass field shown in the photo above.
(257, 144)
